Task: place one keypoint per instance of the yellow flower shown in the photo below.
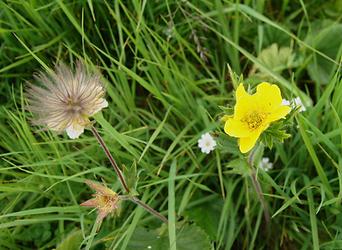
(254, 113)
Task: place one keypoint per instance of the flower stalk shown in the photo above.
(122, 179)
(258, 190)
(257, 186)
(147, 208)
(63, 102)
(111, 159)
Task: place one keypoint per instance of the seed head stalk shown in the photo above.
(111, 159)
(122, 179)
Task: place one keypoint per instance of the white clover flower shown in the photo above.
(206, 143)
(65, 100)
(265, 164)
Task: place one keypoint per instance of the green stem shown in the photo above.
(258, 190)
(257, 186)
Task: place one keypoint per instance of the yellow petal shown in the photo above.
(244, 102)
(268, 96)
(279, 113)
(241, 92)
(236, 128)
(247, 143)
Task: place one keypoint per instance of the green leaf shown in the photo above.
(275, 133)
(275, 58)
(132, 177)
(72, 241)
(192, 237)
(189, 237)
(328, 41)
(171, 206)
(143, 238)
(208, 218)
(239, 166)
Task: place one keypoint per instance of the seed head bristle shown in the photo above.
(65, 100)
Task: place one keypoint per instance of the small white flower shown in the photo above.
(285, 102)
(298, 102)
(265, 164)
(295, 102)
(206, 143)
(168, 32)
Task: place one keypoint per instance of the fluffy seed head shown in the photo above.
(65, 100)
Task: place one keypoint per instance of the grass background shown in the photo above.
(165, 67)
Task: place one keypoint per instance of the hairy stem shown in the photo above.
(258, 190)
(122, 179)
(145, 206)
(111, 159)
(257, 186)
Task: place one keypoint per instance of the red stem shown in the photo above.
(111, 159)
(122, 179)
(149, 209)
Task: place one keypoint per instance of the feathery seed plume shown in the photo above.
(65, 100)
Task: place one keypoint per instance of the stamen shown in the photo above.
(254, 119)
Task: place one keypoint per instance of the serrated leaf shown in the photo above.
(239, 166)
(275, 58)
(275, 133)
(189, 237)
(192, 237)
(131, 177)
(144, 238)
(268, 141)
(207, 216)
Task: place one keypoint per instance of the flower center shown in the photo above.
(73, 106)
(254, 119)
(106, 200)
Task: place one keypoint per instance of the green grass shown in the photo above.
(165, 65)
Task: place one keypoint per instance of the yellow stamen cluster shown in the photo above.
(254, 119)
